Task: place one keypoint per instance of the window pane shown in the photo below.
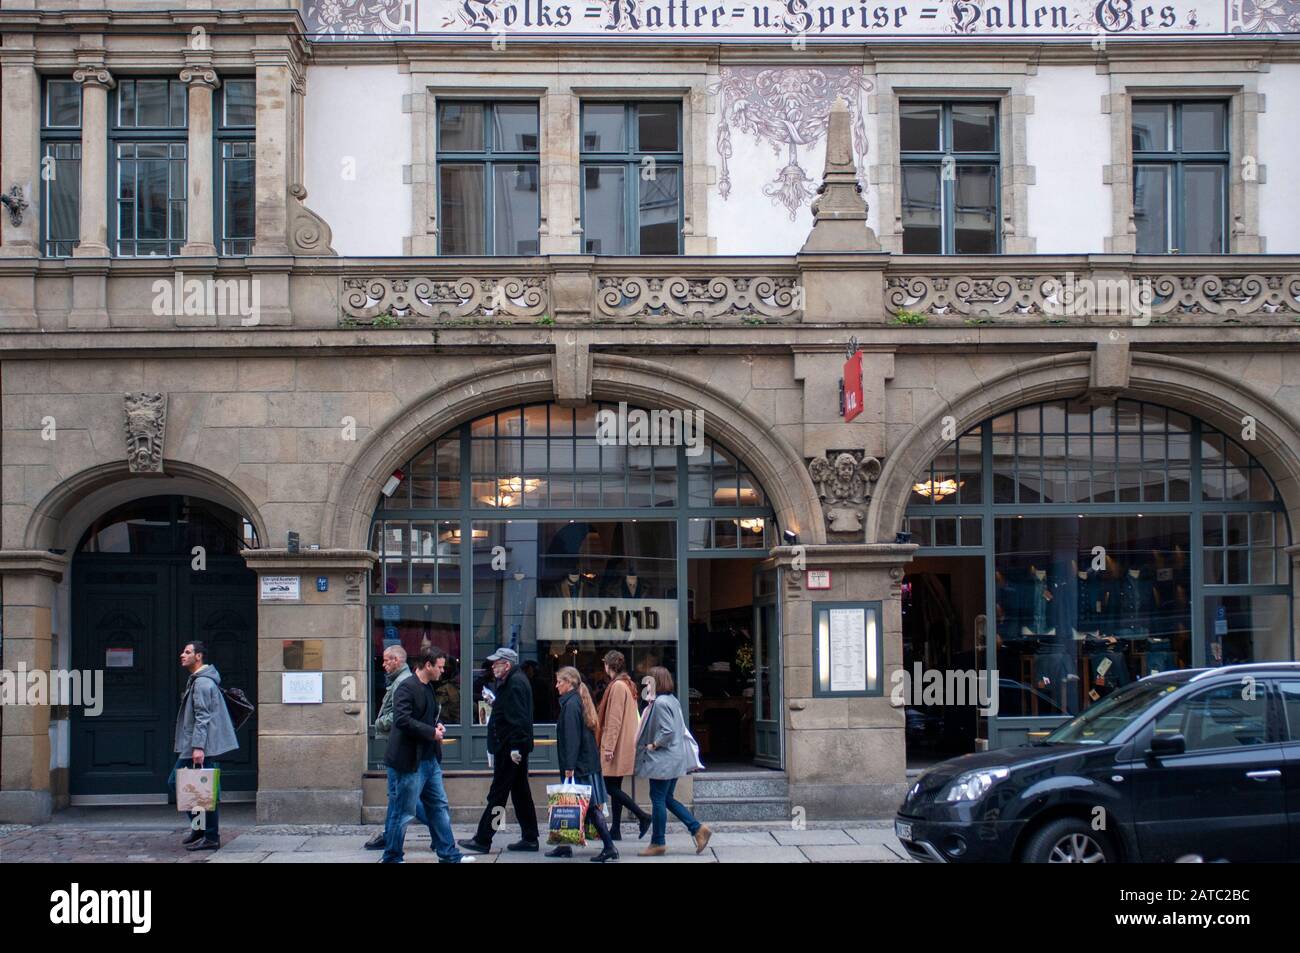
(1151, 209)
(152, 102)
(241, 102)
(1247, 629)
(975, 217)
(63, 103)
(657, 127)
(179, 96)
(1203, 187)
(1218, 718)
(604, 127)
(461, 210)
(922, 210)
(62, 223)
(517, 209)
(918, 126)
(239, 199)
(151, 183)
(1205, 127)
(460, 127)
(604, 215)
(974, 127)
(657, 212)
(126, 103)
(515, 127)
(1153, 125)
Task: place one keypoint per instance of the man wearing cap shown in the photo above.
(509, 741)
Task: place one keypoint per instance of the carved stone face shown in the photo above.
(845, 467)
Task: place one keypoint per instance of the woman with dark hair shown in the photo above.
(617, 735)
(575, 733)
(663, 755)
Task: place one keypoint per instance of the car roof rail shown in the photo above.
(1243, 667)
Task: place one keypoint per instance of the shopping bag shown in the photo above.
(566, 806)
(197, 789)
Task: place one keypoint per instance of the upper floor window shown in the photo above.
(949, 154)
(61, 167)
(488, 178)
(148, 147)
(631, 178)
(1180, 177)
(236, 163)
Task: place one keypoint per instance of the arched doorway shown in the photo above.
(569, 534)
(1068, 547)
(148, 576)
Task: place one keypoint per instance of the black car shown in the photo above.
(1190, 762)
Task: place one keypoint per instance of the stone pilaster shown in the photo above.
(561, 232)
(201, 82)
(274, 142)
(20, 97)
(311, 757)
(29, 579)
(95, 83)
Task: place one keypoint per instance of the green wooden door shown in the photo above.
(767, 668)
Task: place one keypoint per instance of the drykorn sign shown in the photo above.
(607, 620)
(783, 20)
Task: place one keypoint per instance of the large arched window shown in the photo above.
(1119, 538)
(559, 505)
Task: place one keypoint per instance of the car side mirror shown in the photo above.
(1165, 746)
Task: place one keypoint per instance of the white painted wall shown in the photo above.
(354, 117)
(1068, 143)
(1279, 147)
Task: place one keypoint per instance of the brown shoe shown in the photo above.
(702, 839)
(654, 850)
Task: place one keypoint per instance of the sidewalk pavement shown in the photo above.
(153, 835)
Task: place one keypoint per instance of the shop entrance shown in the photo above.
(734, 663)
(136, 598)
(943, 632)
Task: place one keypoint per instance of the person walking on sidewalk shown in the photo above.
(575, 737)
(203, 732)
(396, 671)
(509, 742)
(618, 729)
(663, 755)
(414, 760)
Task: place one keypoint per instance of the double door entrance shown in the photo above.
(131, 616)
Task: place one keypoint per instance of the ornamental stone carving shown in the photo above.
(309, 234)
(200, 76)
(146, 421)
(675, 296)
(449, 298)
(94, 76)
(844, 482)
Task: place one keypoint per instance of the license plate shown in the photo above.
(902, 831)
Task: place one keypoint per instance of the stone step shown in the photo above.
(742, 809)
(738, 785)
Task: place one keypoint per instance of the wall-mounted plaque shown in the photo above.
(302, 688)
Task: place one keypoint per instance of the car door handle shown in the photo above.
(1264, 775)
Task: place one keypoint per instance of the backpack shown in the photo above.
(238, 706)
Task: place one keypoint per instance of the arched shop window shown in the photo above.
(495, 529)
(1119, 539)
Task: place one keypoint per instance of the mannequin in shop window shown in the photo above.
(1160, 652)
(631, 586)
(1136, 604)
(1107, 669)
(573, 585)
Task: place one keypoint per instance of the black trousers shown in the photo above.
(509, 782)
(621, 799)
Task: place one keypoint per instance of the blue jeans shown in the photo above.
(661, 802)
(211, 831)
(418, 792)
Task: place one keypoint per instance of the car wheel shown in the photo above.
(1068, 841)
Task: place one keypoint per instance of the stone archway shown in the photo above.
(777, 465)
(1183, 385)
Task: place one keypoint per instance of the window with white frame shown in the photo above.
(148, 139)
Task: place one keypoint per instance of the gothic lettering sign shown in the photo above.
(713, 20)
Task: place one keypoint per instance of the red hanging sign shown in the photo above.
(853, 386)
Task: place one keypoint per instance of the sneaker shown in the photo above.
(524, 845)
(460, 859)
(564, 850)
(376, 842)
(609, 853)
(472, 845)
(645, 826)
(204, 844)
(702, 839)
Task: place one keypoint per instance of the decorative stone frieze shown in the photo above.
(146, 422)
(449, 298)
(634, 296)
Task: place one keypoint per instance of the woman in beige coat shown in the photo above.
(617, 738)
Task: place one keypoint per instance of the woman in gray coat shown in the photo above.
(662, 756)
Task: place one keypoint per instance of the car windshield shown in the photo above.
(1103, 721)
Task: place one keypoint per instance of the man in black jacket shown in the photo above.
(414, 760)
(509, 742)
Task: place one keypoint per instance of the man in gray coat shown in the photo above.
(203, 732)
(396, 671)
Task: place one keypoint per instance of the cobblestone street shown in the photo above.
(153, 835)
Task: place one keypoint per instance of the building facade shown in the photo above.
(807, 350)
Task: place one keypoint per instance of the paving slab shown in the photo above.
(800, 838)
(267, 842)
(238, 857)
(740, 839)
(760, 855)
(872, 835)
(322, 857)
(851, 854)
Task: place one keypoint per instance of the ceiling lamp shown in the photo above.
(937, 489)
